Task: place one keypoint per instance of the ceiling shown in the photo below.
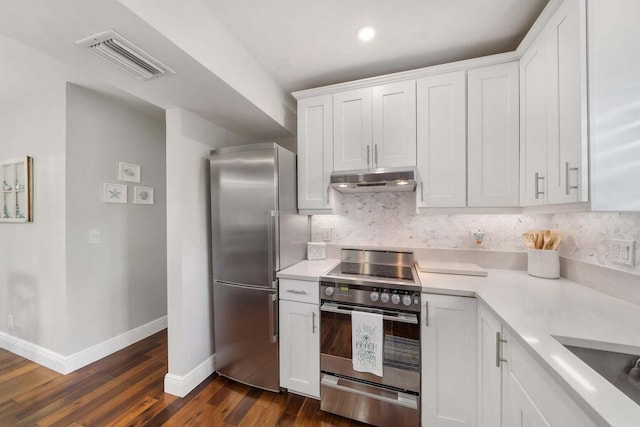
(311, 43)
(300, 43)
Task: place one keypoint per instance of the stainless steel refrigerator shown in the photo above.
(255, 232)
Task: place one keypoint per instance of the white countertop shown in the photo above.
(536, 310)
(308, 270)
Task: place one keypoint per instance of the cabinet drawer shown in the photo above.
(300, 290)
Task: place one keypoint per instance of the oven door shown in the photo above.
(401, 360)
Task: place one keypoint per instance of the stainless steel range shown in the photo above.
(385, 283)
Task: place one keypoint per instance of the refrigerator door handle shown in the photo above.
(273, 242)
(276, 250)
(273, 318)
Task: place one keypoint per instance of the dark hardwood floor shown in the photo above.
(126, 389)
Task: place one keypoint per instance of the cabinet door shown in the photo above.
(448, 361)
(441, 130)
(300, 348)
(352, 130)
(493, 160)
(489, 370)
(535, 80)
(568, 174)
(315, 152)
(394, 125)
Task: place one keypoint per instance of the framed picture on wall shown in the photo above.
(128, 172)
(114, 193)
(142, 195)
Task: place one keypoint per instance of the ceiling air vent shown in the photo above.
(125, 55)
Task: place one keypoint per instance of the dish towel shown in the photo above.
(366, 342)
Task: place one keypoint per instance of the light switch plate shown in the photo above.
(94, 236)
(623, 252)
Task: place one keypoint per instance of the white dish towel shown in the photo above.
(367, 332)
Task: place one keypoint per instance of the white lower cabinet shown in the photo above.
(448, 361)
(299, 344)
(513, 389)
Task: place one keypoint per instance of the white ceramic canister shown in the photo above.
(544, 263)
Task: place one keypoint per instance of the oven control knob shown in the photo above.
(395, 298)
(406, 300)
(384, 297)
(374, 296)
(329, 290)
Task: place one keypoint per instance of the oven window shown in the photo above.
(401, 341)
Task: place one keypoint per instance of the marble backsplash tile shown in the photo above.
(588, 236)
(390, 219)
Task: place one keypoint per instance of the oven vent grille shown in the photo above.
(114, 48)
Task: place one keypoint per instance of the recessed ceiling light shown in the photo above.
(366, 33)
(343, 185)
(402, 182)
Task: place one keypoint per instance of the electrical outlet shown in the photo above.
(623, 252)
(94, 236)
(10, 322)
(477, 238)
(326, 234)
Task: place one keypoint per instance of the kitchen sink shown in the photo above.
(614, 367)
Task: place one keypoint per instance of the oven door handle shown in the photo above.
(398, 316)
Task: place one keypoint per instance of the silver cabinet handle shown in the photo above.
(296, 291)
(537, 185)
(422, 191)
(328, 190)
(313, 322)
(499, 342)
(426, 316)
(368, 149)
(375, 154)
(567, 171)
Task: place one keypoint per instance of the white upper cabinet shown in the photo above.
(553, 121)
(535, 76)
(394, 125)
(352, 130)
(315, 152)
(493, 136)
(375, 127)
(567, 152)
(441, 130)
(614, 91)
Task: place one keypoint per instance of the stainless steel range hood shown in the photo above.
(374, 180)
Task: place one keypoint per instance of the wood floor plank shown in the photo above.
(127, 389)
(126, 418)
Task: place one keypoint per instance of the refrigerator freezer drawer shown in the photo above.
(246, 341)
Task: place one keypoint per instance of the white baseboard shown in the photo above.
(181, 385)
(35, 353)
(110, 346)
(67, 364)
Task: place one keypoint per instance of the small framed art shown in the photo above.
(142, 195)
(128, 172)
(114, 193)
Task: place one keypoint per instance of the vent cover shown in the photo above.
(114, 48)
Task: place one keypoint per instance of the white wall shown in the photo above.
(120, 283)
(189, 287)
(32, 255)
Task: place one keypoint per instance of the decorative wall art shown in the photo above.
(128, 172)
(16, 191)
(142, 195)
(114, 193)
